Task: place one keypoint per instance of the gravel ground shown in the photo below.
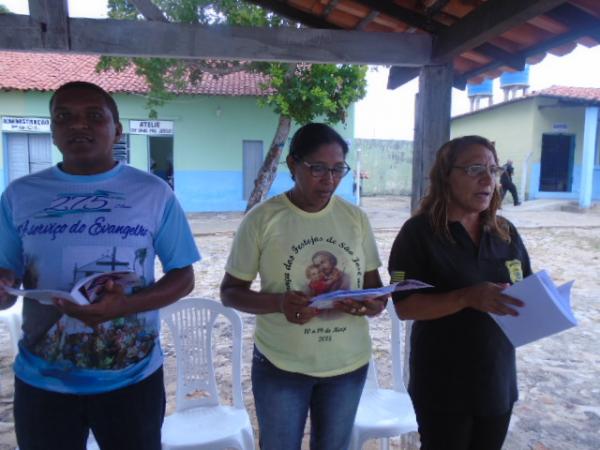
(559, 406)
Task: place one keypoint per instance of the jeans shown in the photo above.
(125, 419)
(283, 399)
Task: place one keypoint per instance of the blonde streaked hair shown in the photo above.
(436, 201)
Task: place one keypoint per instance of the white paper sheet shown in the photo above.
(547, 309)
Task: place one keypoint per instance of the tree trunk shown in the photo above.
(268, 170)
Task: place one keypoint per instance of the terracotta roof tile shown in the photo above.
(574, 93)
(47, 71)
(585, 96)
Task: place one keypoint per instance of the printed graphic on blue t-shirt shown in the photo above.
(70, 228)
(111, 345)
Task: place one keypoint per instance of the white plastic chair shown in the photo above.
(384, 413)
(200, 420)
(12, 317)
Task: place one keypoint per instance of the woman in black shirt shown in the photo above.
(462, 366)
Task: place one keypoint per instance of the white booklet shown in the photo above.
(326, 301)
(547, 309)
(85, 291)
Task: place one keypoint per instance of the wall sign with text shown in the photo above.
(560, 127)
(26, 124)
(152, 127)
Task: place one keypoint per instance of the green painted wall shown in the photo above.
(388, 164)
(517, 128)
(510, 126)
(549, 115)
(207, 143)
(209, 130)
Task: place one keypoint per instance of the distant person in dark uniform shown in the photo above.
(507, 183)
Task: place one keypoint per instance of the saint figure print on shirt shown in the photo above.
(323, 274)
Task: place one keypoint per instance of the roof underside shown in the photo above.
(477, 38)
(480, 38)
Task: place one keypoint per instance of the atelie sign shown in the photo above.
(151, 127)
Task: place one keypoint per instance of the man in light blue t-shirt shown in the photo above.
(97, 366)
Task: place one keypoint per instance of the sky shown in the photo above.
(385, 114)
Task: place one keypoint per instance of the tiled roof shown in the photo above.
(47, 71)
(572, 93)
(585, 96)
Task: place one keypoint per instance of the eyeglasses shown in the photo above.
(477, 170)
(321, 170)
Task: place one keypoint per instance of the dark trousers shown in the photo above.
(125, 419)
(513, 191)
(449, 431)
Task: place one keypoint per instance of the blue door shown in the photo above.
(558, 154)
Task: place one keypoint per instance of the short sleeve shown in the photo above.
(174, 243)
(244, 259)
(11, 247)
(408, 257)
(372, 260)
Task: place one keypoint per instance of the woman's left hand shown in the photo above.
(370, 307)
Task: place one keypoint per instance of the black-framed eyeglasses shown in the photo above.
(477, 170)
(320, 170)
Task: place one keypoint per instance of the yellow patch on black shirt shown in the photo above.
(397, 276)
(515, 270)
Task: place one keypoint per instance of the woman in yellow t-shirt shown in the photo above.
(304, 240)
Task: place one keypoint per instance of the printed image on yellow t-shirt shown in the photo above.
(324, 275)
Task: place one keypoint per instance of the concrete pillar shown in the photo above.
(590, 130)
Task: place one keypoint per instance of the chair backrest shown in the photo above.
(191, 322)
(396, 353)
(13, 318)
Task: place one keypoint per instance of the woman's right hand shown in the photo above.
(488, 297)
(294, 305)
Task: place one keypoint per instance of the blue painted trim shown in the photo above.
(207, 191)
(590, 131)
(596, 184)
(4, 173)
(534, 185)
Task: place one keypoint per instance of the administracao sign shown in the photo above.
(26, 124)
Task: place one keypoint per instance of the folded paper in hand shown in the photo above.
(547, 309)
(85, 291)
(326, 301)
